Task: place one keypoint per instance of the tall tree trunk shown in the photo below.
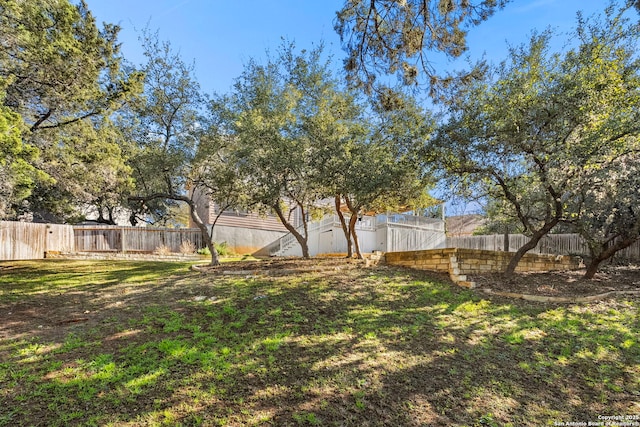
(608, 252)
(356, 243)
(302, 240)
(535, 238)
(352, 225)
(215, 258)
(345, 228)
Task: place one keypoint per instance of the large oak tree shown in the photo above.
(537, 134)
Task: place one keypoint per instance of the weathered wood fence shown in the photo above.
(22, 240)
(555, 244)
(133, 239)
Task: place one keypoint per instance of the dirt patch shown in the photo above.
(280, 266)
(563, 283)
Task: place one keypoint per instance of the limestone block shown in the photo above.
(466, 284)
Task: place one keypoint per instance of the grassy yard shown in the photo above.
(142, 343)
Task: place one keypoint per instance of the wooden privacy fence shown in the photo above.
(23, 240)
(133, 239)
(555, 244)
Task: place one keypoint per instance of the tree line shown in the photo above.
(547, 140)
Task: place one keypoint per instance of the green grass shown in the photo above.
(104, 343)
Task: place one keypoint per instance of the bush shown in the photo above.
(187, 247)
(162, 250)
(222, 248)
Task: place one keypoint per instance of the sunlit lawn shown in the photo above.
(127, 344)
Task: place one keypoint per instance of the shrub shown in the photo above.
(187, 247)
(162, 250)
(222, 248)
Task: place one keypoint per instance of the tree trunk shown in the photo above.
(356, 243)
(102, 220)
(215, 258)
(535, 238)
(604, 255)
(352, 226)
(345, 228)
(302, 240)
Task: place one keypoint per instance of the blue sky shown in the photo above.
(221, 35)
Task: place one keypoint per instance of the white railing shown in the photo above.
(328, 222)
(412, 221)
(288, 240)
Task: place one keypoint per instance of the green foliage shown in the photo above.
(62, 77)
(278, 116)
(392, 37)
(382, 165)
(534, 137)
(222, 249)
(162, 126)
(17, 173)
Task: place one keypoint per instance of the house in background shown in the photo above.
(384, 232)
(251, 233)
(244, 232)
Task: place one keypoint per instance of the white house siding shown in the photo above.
(244, 240)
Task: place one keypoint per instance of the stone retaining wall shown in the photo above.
(461, 262)
(123, 256)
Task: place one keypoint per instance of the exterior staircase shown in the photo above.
(284, 244)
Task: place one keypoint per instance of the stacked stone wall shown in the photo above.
(461, 262)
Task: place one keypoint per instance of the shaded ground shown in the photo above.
(323, 342)
(557, 283)
(564, 283)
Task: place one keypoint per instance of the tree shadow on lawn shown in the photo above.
(356, 347)
(482, 363)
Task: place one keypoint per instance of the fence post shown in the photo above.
(123, 244)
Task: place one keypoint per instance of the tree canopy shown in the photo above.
(61, 75)
(389, 37)
(537, 134)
